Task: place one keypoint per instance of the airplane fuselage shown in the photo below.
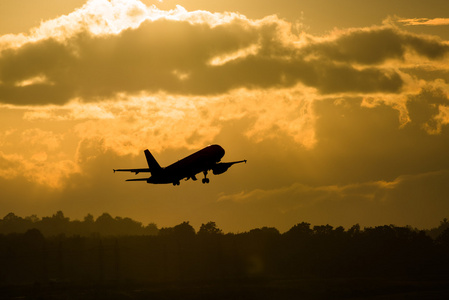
(188, 167)
(203, 161)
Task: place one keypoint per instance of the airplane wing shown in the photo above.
(233, 162)
(137, 171)
(224, 166)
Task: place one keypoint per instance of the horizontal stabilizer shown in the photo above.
(137, 179)
(137, 171)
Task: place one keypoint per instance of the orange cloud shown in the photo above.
(308, 195)
(37, 168)
(425, 21)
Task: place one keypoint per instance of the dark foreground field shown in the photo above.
(337, 288)
(385, 262)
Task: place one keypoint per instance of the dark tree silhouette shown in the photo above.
(121, 253)
(435, 232)
(300, 230)
(209, 228)
(184, 230)
(443, 239)
(58, 224)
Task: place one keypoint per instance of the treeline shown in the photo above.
(106, 225)
(181, 254)
(58, 224)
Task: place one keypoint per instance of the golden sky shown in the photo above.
(340, 107)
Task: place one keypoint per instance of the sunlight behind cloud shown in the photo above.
(241, 53)
(37, 168)
(34, 80)
(103, 17)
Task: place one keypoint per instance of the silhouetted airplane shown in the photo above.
(202, 161)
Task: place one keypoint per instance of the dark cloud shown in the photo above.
(35, 94)
(376, 45)
(424, 109)
(431, 48)
(176, 56)
(361, 46)
(330, 77)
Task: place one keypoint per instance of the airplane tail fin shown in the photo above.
(152, 163)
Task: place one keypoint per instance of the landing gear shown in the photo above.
(205, 179)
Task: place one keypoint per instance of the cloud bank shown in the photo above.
(106, 48)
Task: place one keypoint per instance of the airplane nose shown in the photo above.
(219, 151)
(222, 152)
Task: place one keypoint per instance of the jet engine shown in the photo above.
(221, 168)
